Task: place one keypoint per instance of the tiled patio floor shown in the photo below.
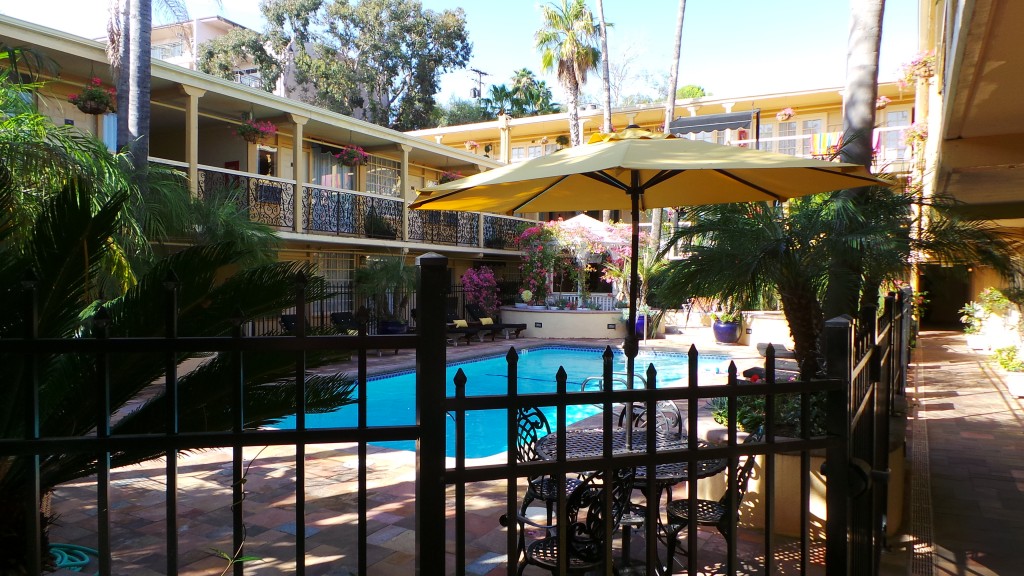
(968, 422)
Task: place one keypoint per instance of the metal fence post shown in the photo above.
(430, 418)
(839, 363)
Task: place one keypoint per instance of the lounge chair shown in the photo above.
(458, 328)
(494, 325)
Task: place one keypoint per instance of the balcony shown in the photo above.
(338, 212)
(890, 154)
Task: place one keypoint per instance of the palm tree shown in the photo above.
(566, 42)
(70, 216)
(858, 122)
(500, 100)
(745, 252)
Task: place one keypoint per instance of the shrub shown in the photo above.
(1009, 359)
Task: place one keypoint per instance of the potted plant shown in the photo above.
(472, 145)
(922, 67)
(916, 135)
(526, 296)
(385, 284)
(94, 98)
(376, 226)
(785, 114)
(254, 131)
(351, 155)
(562, 140)
(972, 316)
(727, 326)
(881, 102)
(1010, 360)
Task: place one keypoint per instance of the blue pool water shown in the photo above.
(391, 399)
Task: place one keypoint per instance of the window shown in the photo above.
(767, 130)
(382, 176)
(892, 140)
(166, 51)
(518, 154)
(787, 130)
(809, 127)
(534, 151)
(110, 131)
(335, 266)
(250, 77)
(326, 171)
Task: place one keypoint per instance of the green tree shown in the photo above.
(501, 100)
(566, 42)
(378, 60)
(459, 111)
(72, 217)
(225, 55)
(691, 91)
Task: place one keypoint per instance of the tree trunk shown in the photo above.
(119, 33)
(573, 92)
(139, 62)
(845, 282)
(803, 314)
(606, 215)
(670, 108)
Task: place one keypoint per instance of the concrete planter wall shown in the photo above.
(787, 494)
(567, 323)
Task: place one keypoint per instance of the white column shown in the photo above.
(298, 168)
(192, 135)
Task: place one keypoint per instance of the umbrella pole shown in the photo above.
(631, 346)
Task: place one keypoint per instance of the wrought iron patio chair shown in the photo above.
(711, 512)
(532, 426)
(587, 528)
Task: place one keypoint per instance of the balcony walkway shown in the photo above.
(965, 505)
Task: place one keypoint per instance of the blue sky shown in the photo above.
(730, 47)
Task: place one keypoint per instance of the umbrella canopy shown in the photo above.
(635, 170)
(664, 172)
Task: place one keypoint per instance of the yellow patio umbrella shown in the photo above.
(637, 170)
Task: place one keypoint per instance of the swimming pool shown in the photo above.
(391, 399)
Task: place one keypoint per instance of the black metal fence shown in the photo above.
(874, 357)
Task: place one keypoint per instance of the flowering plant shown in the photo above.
(481, 289)
(540, 255)
(446, 177)
(351, 155)
(253, 130)
(916, 135)
(94, 98)
(526, 296)
(921, 67)
(582, 246)
(785, 114)
(472, 145)
(881, 102)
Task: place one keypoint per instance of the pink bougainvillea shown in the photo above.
(540, 254)
(481, 289)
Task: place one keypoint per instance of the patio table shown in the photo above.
(589, 443)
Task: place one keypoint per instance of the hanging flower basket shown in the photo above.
(447, 177)
(881, 102)
(922, 67)
(916, 135)
(254, 131)
(472, 145)
(94, 98)
(351, 155)
(785, 114)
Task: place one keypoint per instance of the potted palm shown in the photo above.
(727, 326)
(385, 284)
